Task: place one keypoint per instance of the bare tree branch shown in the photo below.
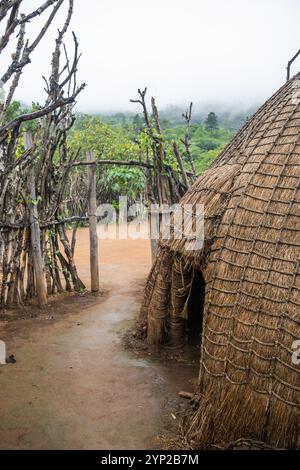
(16, 66)
(142, 102)
(15, 21)
(42, 112)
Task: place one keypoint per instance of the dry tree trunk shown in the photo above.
(35, 235)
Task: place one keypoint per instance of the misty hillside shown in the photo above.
(171, 116)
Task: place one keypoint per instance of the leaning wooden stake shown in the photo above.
(181, 166)
(94, 262)
(35, 234)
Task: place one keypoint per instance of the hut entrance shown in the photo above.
(187, 304)
(195, 308)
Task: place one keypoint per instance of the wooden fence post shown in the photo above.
(92, 207)
(154, 226)
(35, 233)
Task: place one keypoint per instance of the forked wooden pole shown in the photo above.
(290, 62)
(35, 233)
(92, 206)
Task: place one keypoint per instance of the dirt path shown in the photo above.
(74, 386)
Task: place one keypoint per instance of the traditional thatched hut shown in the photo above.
(242, 290)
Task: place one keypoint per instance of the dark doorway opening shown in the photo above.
(194, 323)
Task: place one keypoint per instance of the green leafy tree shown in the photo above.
(109, 143)
(211, 122)
(205, 144)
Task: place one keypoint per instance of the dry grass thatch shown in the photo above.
(249, 386)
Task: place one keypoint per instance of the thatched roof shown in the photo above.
(251, 265)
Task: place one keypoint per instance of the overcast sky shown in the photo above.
(229, 52)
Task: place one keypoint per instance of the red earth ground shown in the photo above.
(74, 386)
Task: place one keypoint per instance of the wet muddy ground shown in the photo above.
(74, 386)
